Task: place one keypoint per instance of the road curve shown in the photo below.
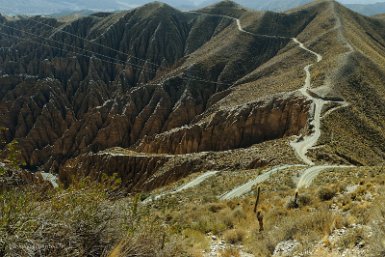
(311, 173)
(50, 178)
(197, 181)
(247, 187)
(193, 183)
(301, 45)
(239, 25)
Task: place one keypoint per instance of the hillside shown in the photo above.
(63, 100)
(155, 119)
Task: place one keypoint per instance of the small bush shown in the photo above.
(234, 236)
(303, 200)
(326, 193)
(377, 242)
(228, 220)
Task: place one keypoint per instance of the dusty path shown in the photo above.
(339, 27)
(239, 25)
(301, 45)
(197, 181)
(247, 187)
(311, 173)
(193, 183)
(50, 178)
(303, 146)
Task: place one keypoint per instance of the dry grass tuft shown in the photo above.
(230, 252)
(234, 236)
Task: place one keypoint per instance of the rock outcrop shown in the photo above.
(145, 172)
(237, 127)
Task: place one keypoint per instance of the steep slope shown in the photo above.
(360, 80)
(62, 106)
(170, 85)
(68, 103)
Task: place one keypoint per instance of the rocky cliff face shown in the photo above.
(145, 172)
(232, 128)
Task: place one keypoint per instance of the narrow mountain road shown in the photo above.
(193, 183)
(50, 178)
(342, 104)
(302, 147)
(239, 25)
(301, 45)
(311, 173)
(339, 27)
(197, 181)
(247, 187)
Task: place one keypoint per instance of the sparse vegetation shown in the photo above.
(81, 220)
(230, 252)
(234, 236)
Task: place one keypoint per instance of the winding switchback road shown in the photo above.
(301, 147)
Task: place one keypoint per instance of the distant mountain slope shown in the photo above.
(272, 5)
(365, 7)
(368, 9)
(32, 7)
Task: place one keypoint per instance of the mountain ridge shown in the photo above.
(59, 9)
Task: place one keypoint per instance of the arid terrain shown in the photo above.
(161, 125)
